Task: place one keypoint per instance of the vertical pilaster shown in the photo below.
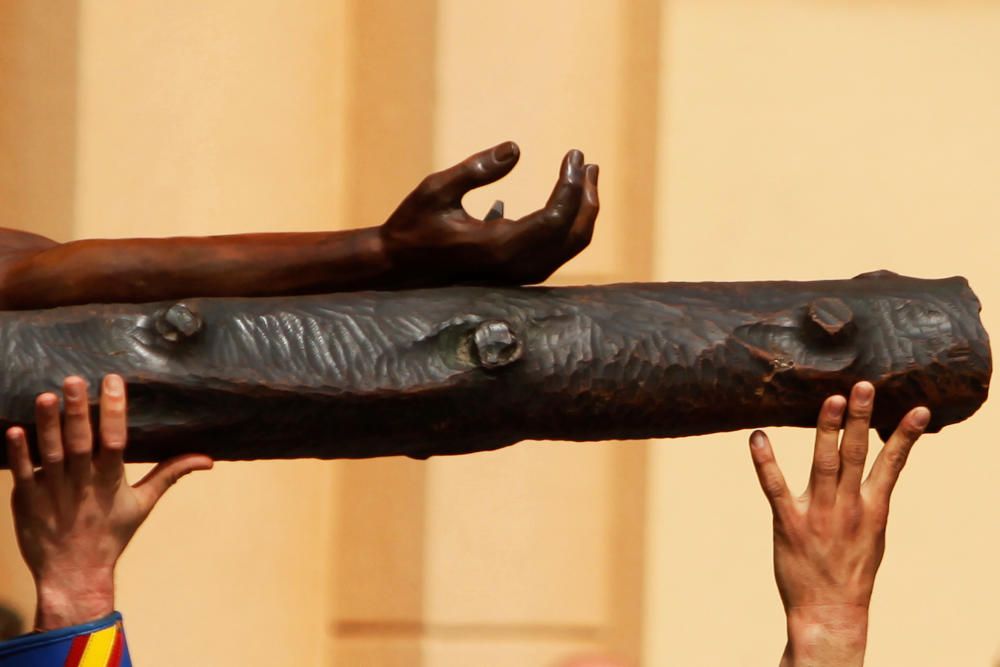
(38, 61)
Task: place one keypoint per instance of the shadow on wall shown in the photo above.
(11, 624)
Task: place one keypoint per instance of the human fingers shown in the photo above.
(113, 430)
(152, 487)
(447, 187)
(19, 459)
(854, 444)
(772, 481)
(50, 445)
(78, 440)
(826, 459)
(891, 460)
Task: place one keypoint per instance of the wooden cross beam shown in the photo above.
(464, 369)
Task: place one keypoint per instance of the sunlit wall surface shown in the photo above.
(125, 118)
(737, 140)
(820, 140)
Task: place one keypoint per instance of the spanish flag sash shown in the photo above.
(100, 643)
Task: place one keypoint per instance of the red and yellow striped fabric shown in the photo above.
(100, 649)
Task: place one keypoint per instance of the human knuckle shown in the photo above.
(859, 412)
(880, 514)
(112, 441)
(853, 511)
(113, 411)
(855, 454)
(829, 426)
(77, 409)
(897, 459)
(826, 464)
(773, 486)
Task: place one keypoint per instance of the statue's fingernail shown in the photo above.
(505, 152)
(576, 158)
(593, 172)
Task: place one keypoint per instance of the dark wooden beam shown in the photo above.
(465, 369)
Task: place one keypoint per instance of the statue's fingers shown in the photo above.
(891, 460)
(564, 201)
(854, 445)
(826, 457)
(19, 459)
(113, 429)
(151, 488)
(50, 445)
(78, 440)
(582, 230)
(772, 481)
(541, 235)
(447, 187)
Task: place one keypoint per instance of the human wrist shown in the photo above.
(826, 636)
(71, 598)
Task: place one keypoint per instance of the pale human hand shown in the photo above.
(74, 516)
(829, 542)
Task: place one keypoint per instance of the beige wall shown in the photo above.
(38, 56)
(766, 139)
(819, 140)
(196, 118)
(531, 554)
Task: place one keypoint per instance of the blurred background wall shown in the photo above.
(737, 140)
(821, 139)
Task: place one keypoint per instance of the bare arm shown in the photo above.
(829, 542)
(75, 515)
(429, 240)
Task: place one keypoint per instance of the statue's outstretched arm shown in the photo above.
(429, 240)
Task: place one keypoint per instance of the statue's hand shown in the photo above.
(430, 234)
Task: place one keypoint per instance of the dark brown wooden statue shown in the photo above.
(463, 368)
(428, 241)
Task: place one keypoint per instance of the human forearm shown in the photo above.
(70, 598)
(128, 270)
(826, 637)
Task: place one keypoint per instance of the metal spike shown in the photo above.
(495, 212)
